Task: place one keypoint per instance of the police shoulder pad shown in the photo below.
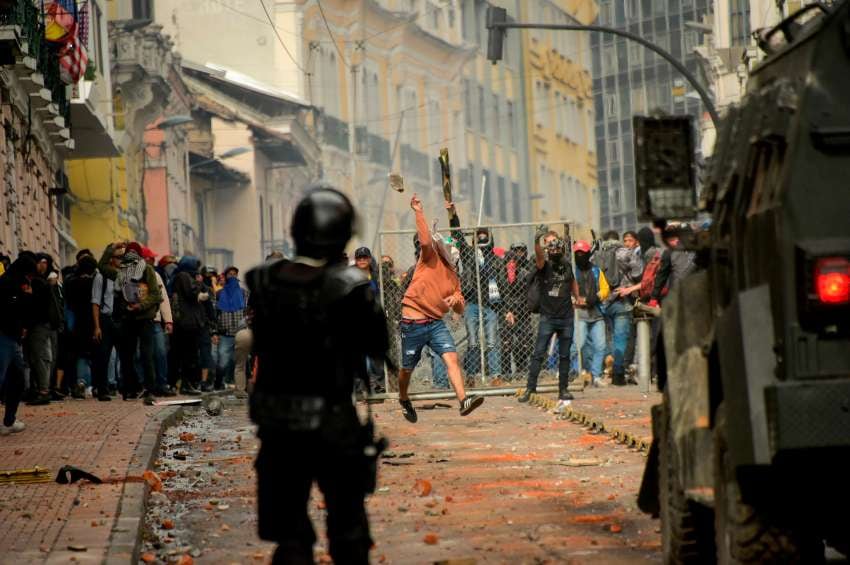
(342, 280)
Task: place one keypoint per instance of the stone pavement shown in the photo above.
(511, 483)
(53, 523)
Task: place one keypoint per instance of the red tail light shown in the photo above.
(832, 280)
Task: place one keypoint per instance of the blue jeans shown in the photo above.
(491, 335)
(563, 328)
(160, 356)
(596, 332)
(226, 359)
(619, 317)
(12, 368)
(414, 337)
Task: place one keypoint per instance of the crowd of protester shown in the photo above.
(123, 324)
(613, 275)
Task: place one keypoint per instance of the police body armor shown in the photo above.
(309, 354)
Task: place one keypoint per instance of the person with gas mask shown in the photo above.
(308, 358)
(590, 323)
(434, 290)
(557, 288)
(484, 283)
(518, 333)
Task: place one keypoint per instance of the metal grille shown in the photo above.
(495, 336)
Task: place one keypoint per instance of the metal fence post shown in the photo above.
(644, 336)
(481, 336)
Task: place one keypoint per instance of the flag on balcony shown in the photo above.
(73, 61)
(83, 23)
(59, 23)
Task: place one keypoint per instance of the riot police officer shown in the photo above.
(308, 358)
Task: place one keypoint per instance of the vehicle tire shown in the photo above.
(687, 533)
(744, 533)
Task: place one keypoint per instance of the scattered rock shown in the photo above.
(148, 557)
(187, 436)
(422, 487)
(431, 539)
(167, 524)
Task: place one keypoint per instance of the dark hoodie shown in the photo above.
(492, 270)
(189, 314)
(16, 305)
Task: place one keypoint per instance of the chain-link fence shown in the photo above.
(496, 335)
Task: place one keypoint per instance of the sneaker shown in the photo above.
(562, 406)
(525, 396)
(79, 391)
(16, 427)
(206, 387)
(190, 390)
(469, 404)
(149, 399)
(599, 382)
(39, 400)
(56, 395)
(164, 391)
(618, 380)
(408, 411)
(103, 397)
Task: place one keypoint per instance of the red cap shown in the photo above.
(581, 245)
(148, 254)
(135, 246)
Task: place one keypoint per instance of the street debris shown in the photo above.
(69, 475)
(431, 539)
(422, 487)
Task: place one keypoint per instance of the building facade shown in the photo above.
(630, 80)
(36, 117)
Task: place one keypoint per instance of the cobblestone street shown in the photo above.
(510, 484)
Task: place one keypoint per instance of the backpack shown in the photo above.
(650, 272)
(606, 259)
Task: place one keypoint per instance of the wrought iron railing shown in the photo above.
(26, 15)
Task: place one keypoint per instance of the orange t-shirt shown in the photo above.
(433, 281)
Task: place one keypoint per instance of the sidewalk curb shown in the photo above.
(125, 539)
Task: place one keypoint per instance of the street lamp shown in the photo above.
(230, 153)
(174, 121)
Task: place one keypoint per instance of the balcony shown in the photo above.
(36, 65)
(373, 146)
(414, 163)
(335, 132)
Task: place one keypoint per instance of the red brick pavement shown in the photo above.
(38, 522)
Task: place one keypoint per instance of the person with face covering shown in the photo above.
(231, 304)
(434, 290)
(485, 288)
(190, 319)
(41, 344)
(590, 323)
(557, 287)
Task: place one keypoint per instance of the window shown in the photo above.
(739, 22)
(496, 119)
(614, 151)
(409, 127)
(503, 200)
(635, 53)
(433, 123)
(468, 23)
(633, 7)
(488, 194)
(467, 103)
(606, 13)
(143, 10)
(509, 123)
(690, 41)
(516, 202)
(482, 110)
(559, 115)
(96, 41)
(609, 60)
(638, 100)
(436, 16)
(610, 106)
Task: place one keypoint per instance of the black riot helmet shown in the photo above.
(323, 223)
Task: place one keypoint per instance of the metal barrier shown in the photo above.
(496, 334)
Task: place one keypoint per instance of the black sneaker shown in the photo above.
(56, 395)
(469, 404)
(408, 411)
(190, 390)
(525, 396)
(149, 399)
(103, 397)
(206, 387)
(39, 400)
(566, 395)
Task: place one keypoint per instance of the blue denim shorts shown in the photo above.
(414, 337)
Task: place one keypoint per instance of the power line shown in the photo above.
(330, 33)
(280, 40)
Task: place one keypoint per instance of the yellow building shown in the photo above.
(129, 91)
(559, 117)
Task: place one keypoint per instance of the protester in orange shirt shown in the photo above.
(434, 290)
